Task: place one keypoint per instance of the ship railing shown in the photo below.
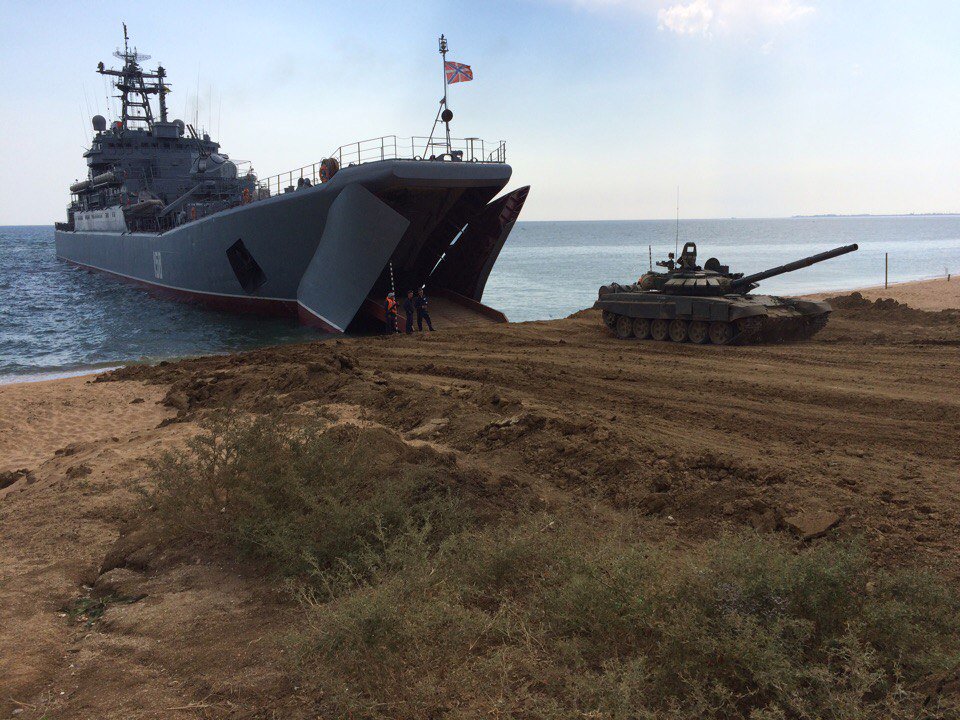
(387, 147)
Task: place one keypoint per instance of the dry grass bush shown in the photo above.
(415, 605)
(308, 502)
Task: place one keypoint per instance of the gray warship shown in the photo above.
(162, 206)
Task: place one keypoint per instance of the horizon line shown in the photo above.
(820, 216)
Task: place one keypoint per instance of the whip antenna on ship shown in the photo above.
(444, 114)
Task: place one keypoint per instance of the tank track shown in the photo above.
(747, 331)
(775, 330)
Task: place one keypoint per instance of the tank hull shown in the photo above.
(320, 252)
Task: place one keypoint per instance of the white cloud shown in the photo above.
(741, 13)
(694, 18)
(705, 17)
(766, 47)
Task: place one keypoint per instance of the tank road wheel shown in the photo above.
(721, 332)
(660, 329)
(699, 332)
(641, 328)
(678, 331)
(609, 319)
(624, 327)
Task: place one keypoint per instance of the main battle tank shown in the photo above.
(711, 304)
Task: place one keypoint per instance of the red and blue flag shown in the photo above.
(457, 72)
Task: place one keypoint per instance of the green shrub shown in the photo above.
(314, 504)
(418, 602)
(565, 623)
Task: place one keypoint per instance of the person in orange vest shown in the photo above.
(391, 313)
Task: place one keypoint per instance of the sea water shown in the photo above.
(56, 319)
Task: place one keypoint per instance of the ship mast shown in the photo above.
(444, 114)
(135, 87)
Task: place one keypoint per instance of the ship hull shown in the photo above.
(321, 253)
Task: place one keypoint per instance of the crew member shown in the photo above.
(408, 309)
(669, 263)
(421, 303)
(391, 313)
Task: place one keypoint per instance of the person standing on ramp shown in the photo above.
(408, 309)
(421, 303)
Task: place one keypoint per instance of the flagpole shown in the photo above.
(443, 54)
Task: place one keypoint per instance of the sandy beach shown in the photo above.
(687, 442)
(936, 294)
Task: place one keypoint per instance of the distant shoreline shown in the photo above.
(671, 220)
(871, 215)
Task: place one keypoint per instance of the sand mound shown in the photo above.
(855, 305)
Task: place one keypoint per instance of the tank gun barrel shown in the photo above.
(790, 267)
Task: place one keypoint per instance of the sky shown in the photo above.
(753, 108)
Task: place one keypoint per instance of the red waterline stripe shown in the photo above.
(273, 307)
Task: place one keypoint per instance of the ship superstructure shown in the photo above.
(163, 206)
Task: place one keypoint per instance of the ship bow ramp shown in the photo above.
(415, 224)
(360, 235)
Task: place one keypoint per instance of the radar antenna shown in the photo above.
(135, 87)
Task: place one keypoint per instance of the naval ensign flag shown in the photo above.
(457, 72)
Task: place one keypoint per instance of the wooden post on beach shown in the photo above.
(886, 270)
(650, 251)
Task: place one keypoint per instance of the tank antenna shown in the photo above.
(676, 247)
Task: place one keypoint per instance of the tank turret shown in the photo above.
(710, 303)
(685, 277)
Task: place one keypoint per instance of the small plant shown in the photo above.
(88, 610)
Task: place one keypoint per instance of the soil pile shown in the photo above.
(855, 305)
